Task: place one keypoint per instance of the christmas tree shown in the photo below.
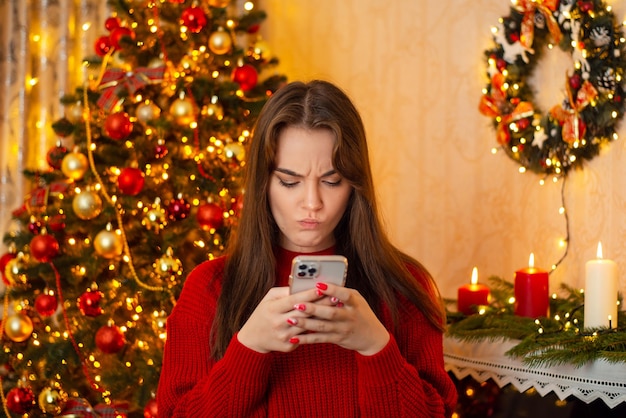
(144, 184)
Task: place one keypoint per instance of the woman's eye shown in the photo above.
(286, 183)
(334, 183)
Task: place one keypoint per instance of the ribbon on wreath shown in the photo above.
(115, 79)
(574, 127)
(78, 407)
(495, 105)
(529, 8)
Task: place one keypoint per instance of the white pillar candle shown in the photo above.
(600, 292)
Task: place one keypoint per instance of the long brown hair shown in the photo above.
(378, 270)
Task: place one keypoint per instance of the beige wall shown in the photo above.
(415, 70)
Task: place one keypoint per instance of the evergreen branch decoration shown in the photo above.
(560, 339)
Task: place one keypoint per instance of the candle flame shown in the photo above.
(599, 251)
(474, 279)
(531, 260)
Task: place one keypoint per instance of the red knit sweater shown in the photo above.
(405, 379)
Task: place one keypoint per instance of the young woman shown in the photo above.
(240, 345)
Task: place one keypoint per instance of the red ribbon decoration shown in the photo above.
(574, 127)
(116, 78)
(529, 8)
(496, 106)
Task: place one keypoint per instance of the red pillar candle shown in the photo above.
(532, 290)
(472, 295)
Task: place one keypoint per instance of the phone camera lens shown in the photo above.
(312, 271)
(301, 274)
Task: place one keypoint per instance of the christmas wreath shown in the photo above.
(574, 130)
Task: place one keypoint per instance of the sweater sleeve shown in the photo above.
(191, 383)
(407, 378)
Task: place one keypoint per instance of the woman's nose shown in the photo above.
(313, 198)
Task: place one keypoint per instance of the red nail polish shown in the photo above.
(299, 307)
(319, 292)
(321, 286)
(334, 299)
(292, 321)
(294, 340)
(339, 304)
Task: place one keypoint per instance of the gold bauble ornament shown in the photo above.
(147, 111)
(220, 42)
(168, 266)
(87, 205)
(14, 270)
(220, 4)
(52, 400)
(18, 327)
(108, 243)
(182, 110)
(74, 165)
(235, 150)
(74, 112)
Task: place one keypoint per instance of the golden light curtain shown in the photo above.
(42, 44)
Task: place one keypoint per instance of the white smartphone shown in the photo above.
(306, 270)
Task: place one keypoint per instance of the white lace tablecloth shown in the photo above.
(486, 360)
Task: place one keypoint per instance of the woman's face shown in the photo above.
(307, 196)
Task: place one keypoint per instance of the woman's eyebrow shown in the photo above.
(294, 174)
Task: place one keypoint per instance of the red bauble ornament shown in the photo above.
(523, 124)
(118, 125)
(575, 81)
(112, 23)
(55, 155)
(20, 400)
(194, 18)
(178, 209)
(102, 46)
(56, 223)
(89, 303)
(254, 28)
(246, 76)
(110, 339)
(118, 33)
(46, 305)
(210, 216)
(44, 247)
(150, 411)
(4, 260)
(131, 181)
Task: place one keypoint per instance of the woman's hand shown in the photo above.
(274, 323)
(348, 321)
